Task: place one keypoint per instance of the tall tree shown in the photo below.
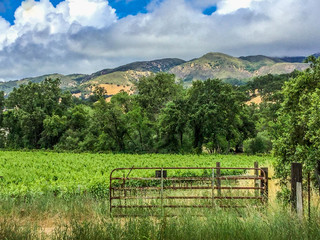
(111, 120)
(214, 115)
(299, 125)
(172, 124)
(155, 91)
(30, 105)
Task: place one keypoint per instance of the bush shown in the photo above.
(260, 144)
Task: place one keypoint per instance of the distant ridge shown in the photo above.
(211, 65)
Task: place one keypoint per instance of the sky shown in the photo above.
(83, 36)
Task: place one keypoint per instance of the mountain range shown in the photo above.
(235, 70)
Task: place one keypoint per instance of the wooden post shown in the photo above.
(256, 182)
(264, 184)
(218, 178)
(296, 186)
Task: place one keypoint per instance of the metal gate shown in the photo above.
(213, 187)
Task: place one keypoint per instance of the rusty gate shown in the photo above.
(211, 187)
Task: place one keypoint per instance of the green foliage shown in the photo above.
(172, 124)
(260, 144)
(163, 117)
(155, 91)
(215, 115)
(28, 107)
(299, 126)
(62, 174)
(54, 127)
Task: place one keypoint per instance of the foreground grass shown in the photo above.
(64, 196)
(88, 218)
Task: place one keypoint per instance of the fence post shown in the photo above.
(124, 189)
(256, 182)
(317, 172)
(162, 210)
(218, 178)
(296, 187)
(309, 197)
(110, 194)
(212, 186)
(264, 184)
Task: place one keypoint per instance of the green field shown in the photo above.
(38, 176)
(40, 173)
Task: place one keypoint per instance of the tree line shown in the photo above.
(161, 117)
(164, 117)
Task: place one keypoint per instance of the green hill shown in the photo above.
(67, 81)
(211, 65)
(219, 65)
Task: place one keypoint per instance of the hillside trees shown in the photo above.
(161, 117)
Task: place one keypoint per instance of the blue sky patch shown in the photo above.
(209, 10)
(129, 7)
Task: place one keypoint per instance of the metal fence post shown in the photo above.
(218, 178)
(256, 182)
(212, 187)
(264, 184)
(162, 210)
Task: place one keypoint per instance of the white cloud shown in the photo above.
(86, 36)
(230, 6)
(34, 16)
(4, 26)
(93, 13)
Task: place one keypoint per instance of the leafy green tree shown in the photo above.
(11, 125)
(28, 106)
(98, 93)
(141, 130)
(155, 91)
(214, 110)
(111, 120)
(172, 124)
(54, 127)
(298, 127)
(72, 128)
(260, 144)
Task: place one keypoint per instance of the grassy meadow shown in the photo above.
(47, 195)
